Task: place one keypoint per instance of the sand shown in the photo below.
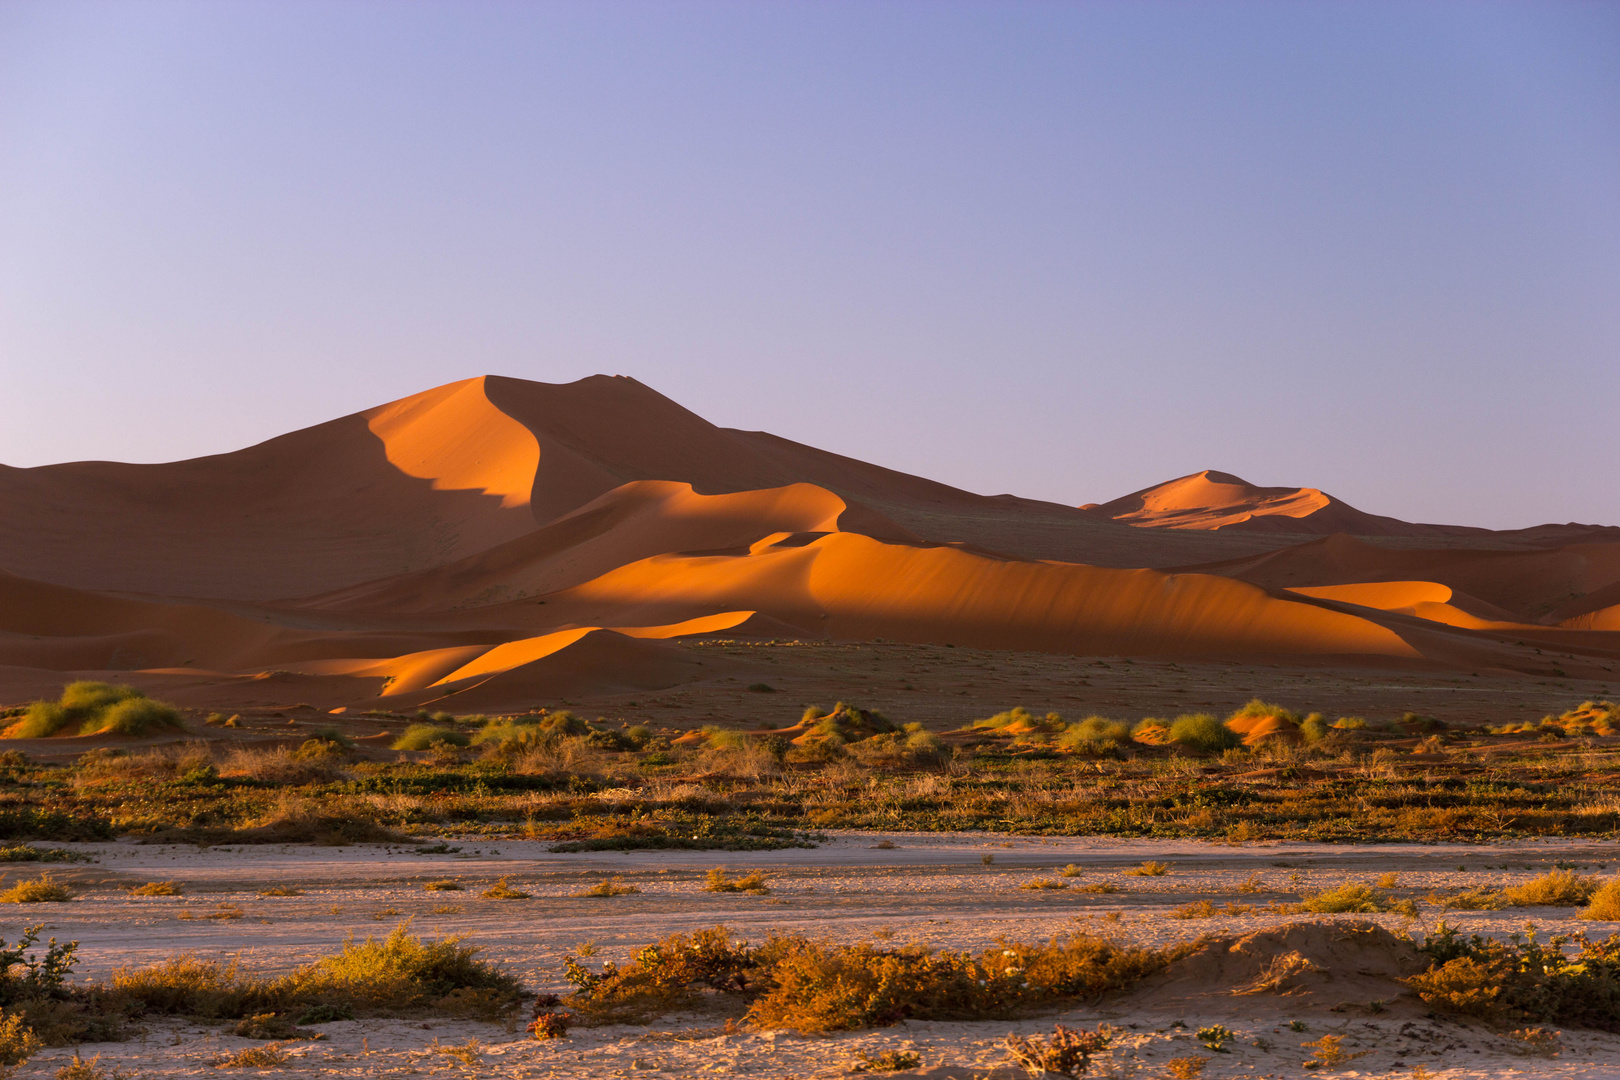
(932, 889)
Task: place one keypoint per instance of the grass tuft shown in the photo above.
(41, 890)
(749, 883)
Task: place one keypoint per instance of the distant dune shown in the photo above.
(495, 543)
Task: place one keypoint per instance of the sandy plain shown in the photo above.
(934, 889)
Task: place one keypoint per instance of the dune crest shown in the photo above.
(456, 438)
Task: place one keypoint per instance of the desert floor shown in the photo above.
(936, 889)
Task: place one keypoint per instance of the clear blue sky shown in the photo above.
(1062, 250)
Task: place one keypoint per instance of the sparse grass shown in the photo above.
(80, 1069)
(281, 890)
(748, 883)
(609, 887)
(268, 1056)
(29, 853)
(1149, 869)
(1186, 1067)
(1482, 899)
(223, 911)
(1206, 909)
(1355, 898)
(1072, 870)
(448, 909)
(41, 890)
(468, 1053)
(503, 891)
(1330, 1052)
(1045, 883)
(1556, 888)
(1066, 1052)
(443, 886)
(887, 1061)
(158, 888)
(1099, 887)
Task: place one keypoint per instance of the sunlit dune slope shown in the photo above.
(631, 522)
(852, 586)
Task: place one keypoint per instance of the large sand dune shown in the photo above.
(496, 541)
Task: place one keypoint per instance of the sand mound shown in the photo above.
(1302, 967)
(1216, 500)
(1259, 729)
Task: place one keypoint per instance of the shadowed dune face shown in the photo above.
(494, 542)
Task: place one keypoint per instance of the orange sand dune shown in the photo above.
(856, 587)
(1424, 599)
(631, 522)
(1216, 500)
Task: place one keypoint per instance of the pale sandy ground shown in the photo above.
(933, 888)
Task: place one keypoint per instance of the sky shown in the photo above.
(1060, 250)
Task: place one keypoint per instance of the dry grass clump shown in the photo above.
(191, 762)
(1066, 1052)
(1361, 899)
(443, 886)
(1201, 733)
(158, 888)
(503, 891)
(293, 820)
(281, 766)
(1099, 887)
(267, 1056)
(1205, 909)
(18, 1042)
(1150, 868)
(1468, 900)
(748, 883)
(1072, 871)
(29, 853)
(1045, 883)
(1556, 888)
(40, 890)
(799, 984)
(281, 890)
(609, 887)
(400, 974)
(1605, 903)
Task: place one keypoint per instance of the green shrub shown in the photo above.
(42, 720)
(1201, 733)
(1355, 898)
(1314, 727)
(1087, 734)
(135, 717)
(427, 736)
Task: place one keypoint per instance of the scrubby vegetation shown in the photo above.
(1263, 773)
(805, 985)
(1523, 979)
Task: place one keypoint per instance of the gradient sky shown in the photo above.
(1061, 250)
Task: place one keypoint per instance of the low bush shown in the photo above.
(1556, 888)
(1066, 1052)
(1201, 733)
(158, 888)
(610, 887)
(1522, 979)
(90, 708)
(748, 883)
(135, 717)
(428, 736)
(799, 984)
(41, 890)
(1355, 898)
(1604, 904)
(1093, 734)
(503, 891)
(1151, 868)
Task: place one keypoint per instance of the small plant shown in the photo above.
(502, 891)
(40, 890)
(1329, 1052)
(1072, 871)
(1066, 1052)
(888, 1061)
(550, 1025)
(1150, 869)
(281, 890)
(1298, 1025)
(1099, 887)
(750, 883)
(609, 887)
(1045, 883)
(1535, 1041)
(1189, 1067)
(428, 736)
(1216, 1037)
(469, 1053)
(18, 1042)
(158, 888)
(1389, 881)
(988, 858)
(1355, 898)
(265, 1026)
(80, 1069)
(268, 1056)
(444, 886)
(325, 1014)
(1252, 884)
